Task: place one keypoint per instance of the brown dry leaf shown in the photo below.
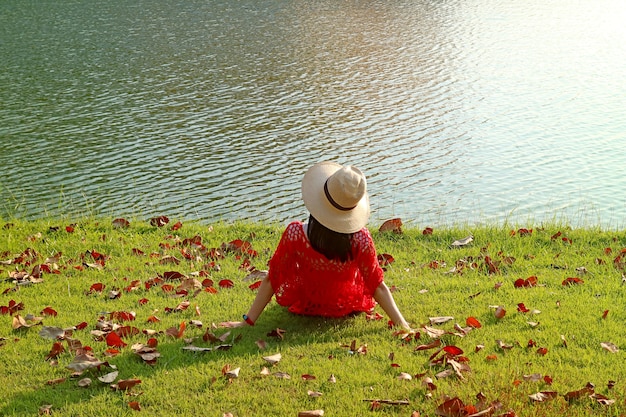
(311, 413)
(85, 361)
(125, 384)
(434, 333)
(25, 322)
(314, 394)
(610, 347)
(135, 405)
(392, 225)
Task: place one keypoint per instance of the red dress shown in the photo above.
(308, 283)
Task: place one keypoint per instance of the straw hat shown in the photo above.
(336, 196)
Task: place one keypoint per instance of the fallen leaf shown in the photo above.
(273, 359)
(610, 347)
(391, 225)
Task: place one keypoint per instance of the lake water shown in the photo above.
(459, 112)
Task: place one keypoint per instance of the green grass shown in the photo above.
(569, 321)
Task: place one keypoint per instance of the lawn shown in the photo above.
(105, 317)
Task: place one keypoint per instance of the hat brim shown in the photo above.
(318, 205)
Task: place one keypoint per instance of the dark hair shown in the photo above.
(331, 244)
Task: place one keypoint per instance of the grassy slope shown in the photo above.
(570, 325)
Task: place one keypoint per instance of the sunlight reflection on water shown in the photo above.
(458, 112)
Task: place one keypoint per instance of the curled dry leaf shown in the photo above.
(499, 312)
(543, 396)
(108, 378)
(273, 359)
(314, 394)
(440, 320)
(232, 373)
(462, 242)
(391, 225)
(311, 413)
(403, 376)
(610, 347)
(84, 383)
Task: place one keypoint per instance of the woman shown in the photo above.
(328, 266)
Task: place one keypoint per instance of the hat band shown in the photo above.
(333, 202)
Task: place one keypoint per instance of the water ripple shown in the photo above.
(214, 111)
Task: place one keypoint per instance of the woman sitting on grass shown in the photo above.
(328, 266)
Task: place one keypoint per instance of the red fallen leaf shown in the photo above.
(391, 225)
(54, 382)
(112, 352)
(81, 325)
(167, 288)
(48, 311)
(526, 283)
(308, 377)
(255, 285)
(177, 332)
(176, 226)
(121, 223)
(70, 228)
(606, 313)
(499, 312)
(531, 343)
(567, 240)
(555, 236)
(207, 282)
(12, 307)
(143, 301)
(126, 384)
(435, 343)
(453, 407)
(572, 281)
(427, 231)
(453, 350)
(97, 287)
(547, 379)
(153, 319)
(126, 331)
(211, 290)
(581, 393)
(226, 283)
(492, 268)
(385, 259)
(542, 351)
(473, 322)
(57, 349)
(173, 276)
(135, 405)
(492, 358)
(525, 232)
(122, 316)
(159, 221)
(137, 252)
(522, 308)
(152, 342)
(114, 340)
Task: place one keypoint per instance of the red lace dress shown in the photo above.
(308, 283)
